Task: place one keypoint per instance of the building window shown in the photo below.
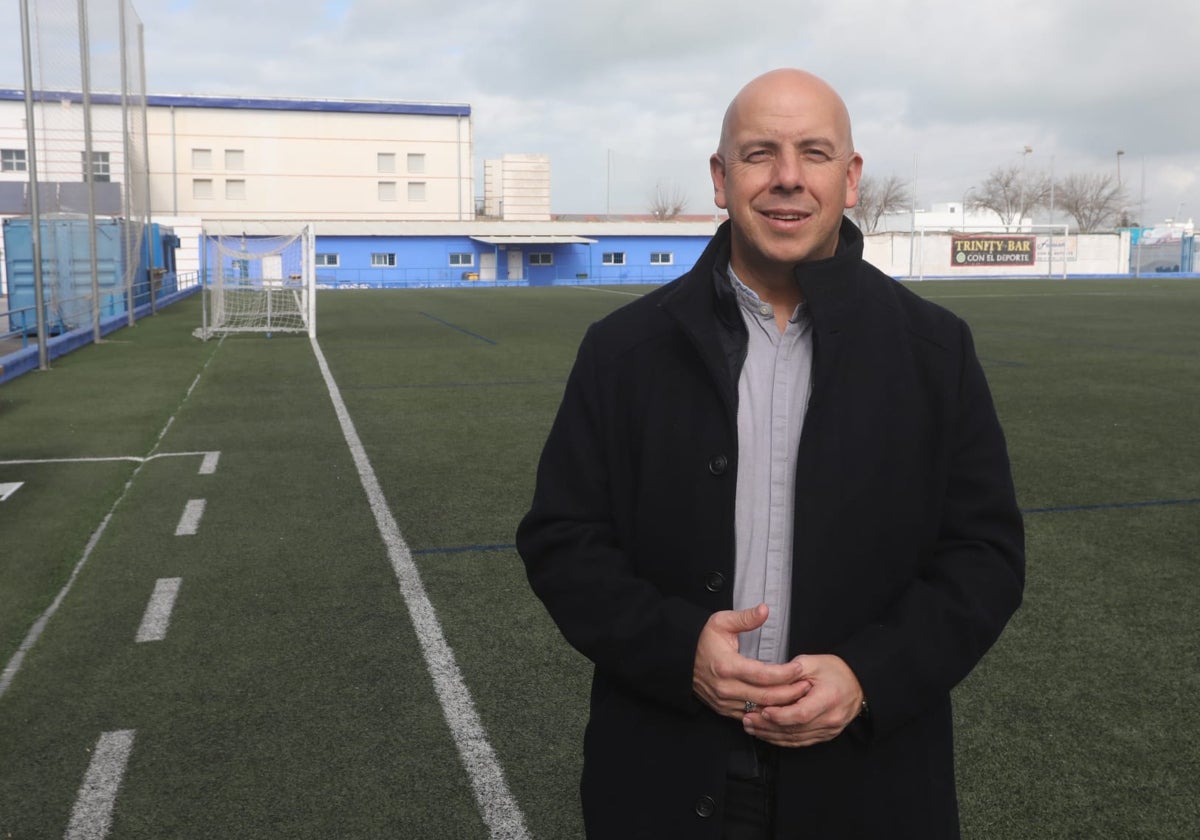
(541, 259)
(239, 269)
(462, 259)
(416, 190)
(614, 258)
(100, 170)
(12, 160)
(328, 260)
(235, 159)
(201, 158)
(386, 162)
(662, 258)
(235, 190)
(416, 162)
(383, 260)
(387, 190)
(202, 188)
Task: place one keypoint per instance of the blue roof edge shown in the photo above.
(353, 106)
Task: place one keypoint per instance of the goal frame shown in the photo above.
(257, 283)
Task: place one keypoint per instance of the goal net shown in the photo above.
(259, 284)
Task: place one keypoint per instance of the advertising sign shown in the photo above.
(966, 251)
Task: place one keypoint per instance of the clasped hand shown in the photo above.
(802, 702)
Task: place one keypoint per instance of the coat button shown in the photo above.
(705, 806)
(718, 464)
(714, 581)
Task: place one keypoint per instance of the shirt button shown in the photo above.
(764, 310)
(714, 581)
(718, 464)
(705, 806)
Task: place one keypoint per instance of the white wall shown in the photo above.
(299, 164)
(931, 256)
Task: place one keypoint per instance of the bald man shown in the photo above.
(775, 510)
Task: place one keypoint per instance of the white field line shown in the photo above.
(91, 818)
(189, 521)
(498, 808)
(158, 611)
(35, 632)
(208, 464)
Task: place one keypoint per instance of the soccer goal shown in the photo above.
(259, 284)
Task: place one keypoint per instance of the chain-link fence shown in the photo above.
(83, 255)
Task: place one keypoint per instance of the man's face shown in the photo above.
(786, 172)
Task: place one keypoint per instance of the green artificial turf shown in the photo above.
(290, 697)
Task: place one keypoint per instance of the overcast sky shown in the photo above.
(623, 93)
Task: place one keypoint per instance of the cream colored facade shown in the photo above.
(311, 160)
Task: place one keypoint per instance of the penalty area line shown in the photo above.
(498, 808)
(35, 632)
(208, 463)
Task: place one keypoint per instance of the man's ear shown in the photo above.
(853, 173)
(716, 168)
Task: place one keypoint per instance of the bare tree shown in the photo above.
(1092, 200)
(667, 201)
(1011, 194)
(877, 197)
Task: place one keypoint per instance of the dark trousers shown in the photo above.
(750, 792)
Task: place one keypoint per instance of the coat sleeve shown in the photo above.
(970, 583)
(573, 543)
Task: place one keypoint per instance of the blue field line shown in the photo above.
(457, 327)
(468, 549)
(1113, 506)
(465, 549)
(492, 383)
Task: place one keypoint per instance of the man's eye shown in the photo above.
(757, 155)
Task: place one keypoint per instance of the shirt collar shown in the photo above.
(751, 303)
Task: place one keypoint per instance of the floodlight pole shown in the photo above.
(35, 220)
(89, 165)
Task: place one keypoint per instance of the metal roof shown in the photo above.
(552, 239)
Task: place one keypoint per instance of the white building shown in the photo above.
(254, 158)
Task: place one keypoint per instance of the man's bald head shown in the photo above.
(786, 89)
(786, 171)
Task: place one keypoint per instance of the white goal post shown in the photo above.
(259, 284)
(1053, 248)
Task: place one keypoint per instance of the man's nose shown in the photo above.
(789, 171)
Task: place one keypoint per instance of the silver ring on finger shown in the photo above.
(749, 707)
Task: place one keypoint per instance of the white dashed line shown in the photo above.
(189, 523)
(158, 611)
(209, 465)
(91, 818)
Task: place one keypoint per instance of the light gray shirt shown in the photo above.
(773, 391)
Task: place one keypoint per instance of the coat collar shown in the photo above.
(832, 287)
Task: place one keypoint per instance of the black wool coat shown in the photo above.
(908, 556)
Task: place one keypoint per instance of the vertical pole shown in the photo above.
(146, 154)
(912, 224)
(35, 221)
(89, 164)
(310, 279)
(608, 185)
(1141, 220)
(203, 285)
(1050, 256)
(127, 181)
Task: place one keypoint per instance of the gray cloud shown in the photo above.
(623, 93)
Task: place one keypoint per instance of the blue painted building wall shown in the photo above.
(425, 260)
